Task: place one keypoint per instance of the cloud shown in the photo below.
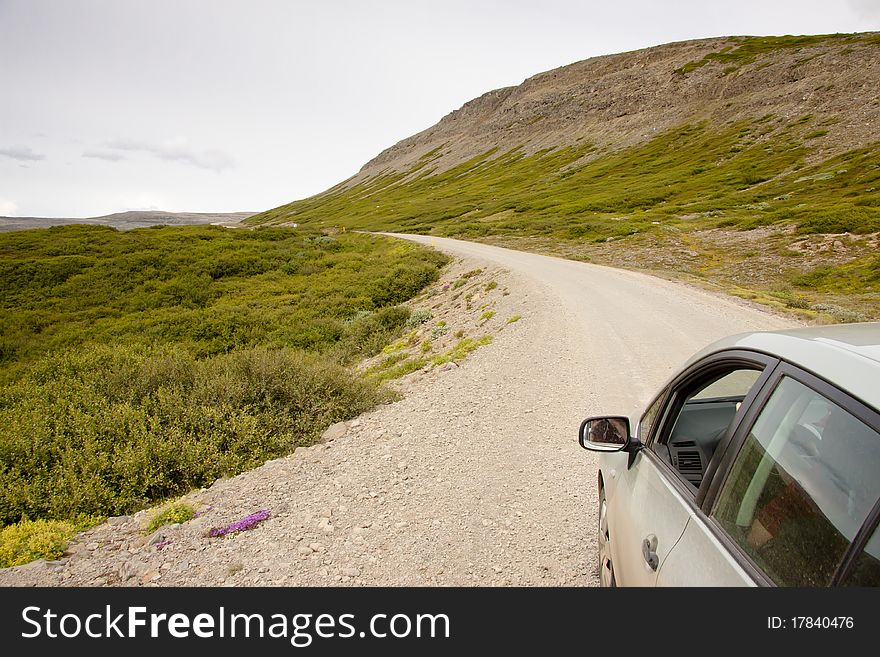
(7, 208)
(868, 9)
(176, 150)
(110, 156)
(22, 153)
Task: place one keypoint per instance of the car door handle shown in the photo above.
(649, 551)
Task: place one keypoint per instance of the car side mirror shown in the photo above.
(604, 434)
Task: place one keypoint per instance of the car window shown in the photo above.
(735, 383)
(700, 414)
(646, 423)
(801, 486)
(866, 569)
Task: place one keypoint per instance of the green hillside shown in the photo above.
(681, 183)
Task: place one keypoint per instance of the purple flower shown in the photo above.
(242, 525)
(202, 512)
(163, 544)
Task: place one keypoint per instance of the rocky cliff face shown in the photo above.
(621, 100)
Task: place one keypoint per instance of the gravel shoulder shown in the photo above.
(473, 478)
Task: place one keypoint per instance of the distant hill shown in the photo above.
(128, 220)
(726, 159)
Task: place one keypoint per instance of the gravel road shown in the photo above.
(474, 478)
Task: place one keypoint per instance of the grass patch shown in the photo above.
(175, 514)
(514, 318)
(461, 350)
(462, 280)
(859, 277)
(399, 368)
(486, 316)
(748, 49)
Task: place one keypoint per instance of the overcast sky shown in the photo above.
(233, 105)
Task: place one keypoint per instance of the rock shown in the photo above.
(449, 366)
(316, 547)
(304, 550)
(351, 572)
(130, 570)
(156, 537)
(150, 576)
(91, 547)
(334, 432)
(72, 549)
(354, 424)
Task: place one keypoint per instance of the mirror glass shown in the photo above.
(605, 433)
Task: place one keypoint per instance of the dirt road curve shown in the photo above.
(474, 478)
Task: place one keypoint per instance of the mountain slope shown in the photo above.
(625, 99)
(661, 151)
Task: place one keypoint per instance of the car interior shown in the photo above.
(810, 484)
(702, 422)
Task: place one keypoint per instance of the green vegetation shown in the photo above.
(462, 280)
(514, 318)
(860, 276)
(170, 515)
(110, 429)
(461, 350)
(397, 367)
(137, 365)
(748, 49)
(418, 317)
(740, 176)
(486, 316)
(36, 539)
(744, 175)
(209, 289)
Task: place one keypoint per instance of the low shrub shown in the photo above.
(418, 317)
(113, 429)
(38, 539)
(170, 515)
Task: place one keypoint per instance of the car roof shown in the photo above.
(845, 355)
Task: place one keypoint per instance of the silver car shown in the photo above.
(757, 465)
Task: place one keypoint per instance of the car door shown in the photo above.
(652, 493)
(795, 488)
